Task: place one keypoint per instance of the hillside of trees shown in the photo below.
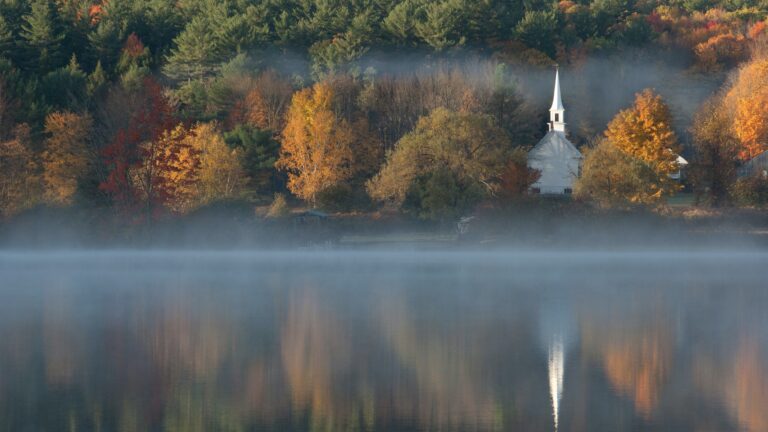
(152, 109)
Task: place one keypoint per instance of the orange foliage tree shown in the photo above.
(746, 100)
(517, 177)
(265, 104)
(66, 158)
(166, 176)
(317, 145)
(644, 131)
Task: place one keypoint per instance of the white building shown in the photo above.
(556, 158)
(757, 166)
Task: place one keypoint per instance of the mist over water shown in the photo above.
(379, 340)
(595, 87)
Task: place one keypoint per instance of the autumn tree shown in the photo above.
(745, 101)
(166, 175)
(468, 145)
(612, 178)
(221, 175)
(713, 169)
(516, 178)
(66, 158)
(19, 178)
(644, 131)
(152, 119)
(317, 145)
(268, 102)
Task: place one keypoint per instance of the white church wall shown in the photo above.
(557, 173)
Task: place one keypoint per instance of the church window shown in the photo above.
(557, 117)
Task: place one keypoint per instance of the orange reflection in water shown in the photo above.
(636, 359)
(748, 389)
(315, 356)
(449, 390)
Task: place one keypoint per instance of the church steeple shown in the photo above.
(557, 112)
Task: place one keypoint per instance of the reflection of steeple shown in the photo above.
(556, 366)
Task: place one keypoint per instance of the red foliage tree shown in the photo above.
(148, 124)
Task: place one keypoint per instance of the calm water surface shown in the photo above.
(383, 341)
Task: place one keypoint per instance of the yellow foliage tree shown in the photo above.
(19, 180)
(644, 131)
(613, 178)
(221, 174)
(317, 145)
(745, 101)
(468, 145)
(65, 159)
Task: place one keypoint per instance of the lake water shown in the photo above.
(384, 341)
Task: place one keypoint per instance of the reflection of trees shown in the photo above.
(189, 341)
(317, 358)
(738, 380)
(61, 337)
(314, 351)
(450, 386)
(748, 387)
(636, 356)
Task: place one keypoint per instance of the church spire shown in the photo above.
(557, 112)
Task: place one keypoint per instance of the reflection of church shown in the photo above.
(556, 329)
(556, 369)
(555, 157)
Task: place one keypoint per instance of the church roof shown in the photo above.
(554, 143)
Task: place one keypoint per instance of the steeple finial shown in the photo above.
(557, 111)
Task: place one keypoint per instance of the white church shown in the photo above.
(556, 158)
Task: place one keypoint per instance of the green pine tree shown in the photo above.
(97, 80)
(440, 25)
(42, 36)
(196, 53)
(105, 42)
(6, 38)
(401, 22)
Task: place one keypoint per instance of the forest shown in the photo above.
(147, 110)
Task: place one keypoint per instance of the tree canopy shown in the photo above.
(468, 145)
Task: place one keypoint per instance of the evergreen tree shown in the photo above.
(42, 36)
(6, 38)
(97, 80)
(537, 30)
(401, 21)
(65, 88)
(105, 43)
(260, 152)
(440, 23)
(196, 54)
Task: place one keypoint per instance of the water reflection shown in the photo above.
(556, 366)
(382, 343)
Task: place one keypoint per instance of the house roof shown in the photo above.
(756, 164)
(554, 143)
